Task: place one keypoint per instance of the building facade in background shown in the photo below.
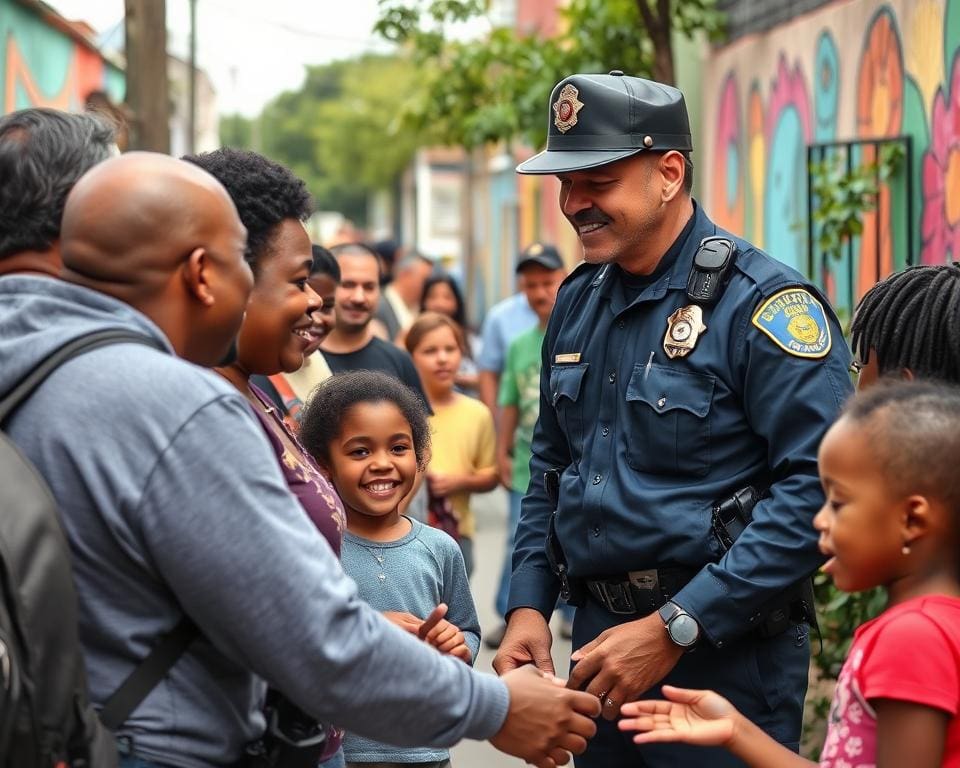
(796, 74)
(48, 61)
(793, 76)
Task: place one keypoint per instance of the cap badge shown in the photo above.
(566, 107)
(683, 329)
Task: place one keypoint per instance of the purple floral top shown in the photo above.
(306, 482)
(318, 498)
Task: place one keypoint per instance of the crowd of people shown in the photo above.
(188, 495)
(272, 459)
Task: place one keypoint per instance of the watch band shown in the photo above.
(686, 636)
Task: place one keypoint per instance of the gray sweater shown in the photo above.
(172, 502)
(413, 574)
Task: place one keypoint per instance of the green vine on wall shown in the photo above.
(842, 196)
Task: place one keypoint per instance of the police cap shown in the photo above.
(599, 119)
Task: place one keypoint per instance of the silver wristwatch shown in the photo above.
(681, 627)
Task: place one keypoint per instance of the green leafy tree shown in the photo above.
(341, 130)
(236, 131)
(495, 88)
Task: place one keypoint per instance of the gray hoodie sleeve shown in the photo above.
(266, 589)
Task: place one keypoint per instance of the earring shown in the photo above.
(905, 549)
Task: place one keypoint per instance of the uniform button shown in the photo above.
(621, 324)
(597, 479)
(596, 530)
(605, 431)
(612, 377)
(661, 402)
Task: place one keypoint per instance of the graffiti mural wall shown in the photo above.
(853, 70)
(43, 65)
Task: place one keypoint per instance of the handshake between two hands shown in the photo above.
(550, 718)
(546, 721)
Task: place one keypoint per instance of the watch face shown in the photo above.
(684, 630)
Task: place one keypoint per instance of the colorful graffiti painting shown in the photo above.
(785, 192)
(728, 176)
(879, 113)
(826, 84)
(44, 66)
(940, 230)
(849, 72)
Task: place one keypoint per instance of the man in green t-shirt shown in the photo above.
(519, 398)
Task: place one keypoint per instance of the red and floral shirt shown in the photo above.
(909, 653)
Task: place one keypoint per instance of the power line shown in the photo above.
(372, 40)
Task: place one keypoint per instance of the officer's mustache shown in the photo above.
(590, 216)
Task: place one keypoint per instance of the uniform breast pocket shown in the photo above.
(566, 384)
(668, 420)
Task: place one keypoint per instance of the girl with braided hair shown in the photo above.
(910, 322)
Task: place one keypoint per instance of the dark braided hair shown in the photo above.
(911, 320)
(330, 402)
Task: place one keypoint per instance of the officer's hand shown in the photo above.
(545, 721)
(693, 717)
(527, 641)
(623, 662)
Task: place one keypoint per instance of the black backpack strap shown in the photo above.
(148, 673)
(71, 349)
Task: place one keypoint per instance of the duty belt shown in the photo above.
(641, 592)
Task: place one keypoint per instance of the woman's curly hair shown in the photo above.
(264, 192)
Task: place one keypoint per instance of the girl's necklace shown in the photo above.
(377, 553)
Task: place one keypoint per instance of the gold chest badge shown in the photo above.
(683, 329)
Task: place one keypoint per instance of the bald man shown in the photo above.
(174, 505)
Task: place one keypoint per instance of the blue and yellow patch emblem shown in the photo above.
(796, 323)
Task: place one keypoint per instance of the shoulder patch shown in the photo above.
(795, 321)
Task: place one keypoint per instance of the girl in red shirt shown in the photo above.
(892, 519)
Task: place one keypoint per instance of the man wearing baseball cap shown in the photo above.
(540, 270)
(687, 379)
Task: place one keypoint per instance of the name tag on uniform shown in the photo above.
(569, 357)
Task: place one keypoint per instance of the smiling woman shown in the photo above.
(272, 204)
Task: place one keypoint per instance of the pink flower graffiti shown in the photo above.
(940, 229)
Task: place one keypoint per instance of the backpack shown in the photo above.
(46, 717)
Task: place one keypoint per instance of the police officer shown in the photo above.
(686, 374)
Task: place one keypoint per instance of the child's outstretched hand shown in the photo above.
(694, 717)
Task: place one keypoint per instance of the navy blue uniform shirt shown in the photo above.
(649, 444)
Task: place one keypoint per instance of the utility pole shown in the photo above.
(148, 93)
(192, 106)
